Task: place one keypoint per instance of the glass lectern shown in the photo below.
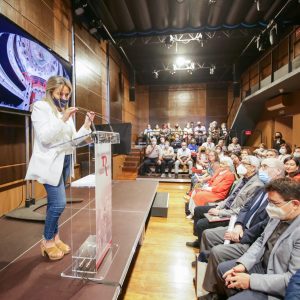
(92, 250)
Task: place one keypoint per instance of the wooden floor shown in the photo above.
(163, 266)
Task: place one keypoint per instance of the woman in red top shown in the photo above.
(218, 186)
(292, 168)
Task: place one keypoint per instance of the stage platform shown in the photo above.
(25, 274)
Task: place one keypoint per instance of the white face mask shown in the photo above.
(241, 170)
(183, 147)
(296, 154)
(276, 212)
(153, 143)
(282, 151)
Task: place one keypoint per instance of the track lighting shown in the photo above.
(212, 69)
(155, 74)
(80, 8)
(169, 41)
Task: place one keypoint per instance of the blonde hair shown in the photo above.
(53, 83)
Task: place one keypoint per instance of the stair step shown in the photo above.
(130, 164)
(124, 169)
(130, 158)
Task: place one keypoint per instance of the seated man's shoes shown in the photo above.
(194, 244)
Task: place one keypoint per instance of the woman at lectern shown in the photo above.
(53, 124)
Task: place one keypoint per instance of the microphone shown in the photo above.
(81, 110)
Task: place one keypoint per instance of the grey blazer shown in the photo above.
(245, 194)
(284, 259)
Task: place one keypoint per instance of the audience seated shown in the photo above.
(296, 152)
(221, 143)
(176, 144)
(194, 148)
(234, 147)
(249, 225)
(261, 151)
(153, 156)
(223, 132)
(292, 168)
(168, 156)
(264, 270)
(217, 187)
(284, 152)
(183, 158)
(245, 188)
(272, 153)
(209, 144)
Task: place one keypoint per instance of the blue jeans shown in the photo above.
(56, 201)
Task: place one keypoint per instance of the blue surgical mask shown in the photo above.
(263, 176)
(60, 103)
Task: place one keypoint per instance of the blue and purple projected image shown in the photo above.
(25, 66)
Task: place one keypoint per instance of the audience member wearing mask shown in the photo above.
(264, 271)
(292, 168)
(250, 223)
(284, 152)
(194, 148)
(176, 144)
(245, 188)
(278, 141)
(183, 158)
(153, 156)
(297, 152)
(167, 159)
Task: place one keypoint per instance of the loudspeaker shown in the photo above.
(131, 93)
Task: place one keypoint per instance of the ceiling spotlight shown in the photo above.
(155, 74)
(261, 43)
(172, 72)
(80, 9)
(95, 25)
(258, 5)
(212, 69)
(210, 2)
(169, 41)
(180, 61)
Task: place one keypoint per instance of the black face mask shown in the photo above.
(277, 136)
(60, 103)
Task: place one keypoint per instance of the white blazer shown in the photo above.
(46, 163)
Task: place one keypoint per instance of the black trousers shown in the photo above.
(167, 162)
(201, 223)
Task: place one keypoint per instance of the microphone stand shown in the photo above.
(81, 110)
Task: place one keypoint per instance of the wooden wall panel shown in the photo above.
(142, 99)
(216, 104)
(49, 21)
(177, 104)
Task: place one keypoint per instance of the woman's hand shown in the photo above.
(70, 111)
(89, 118)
